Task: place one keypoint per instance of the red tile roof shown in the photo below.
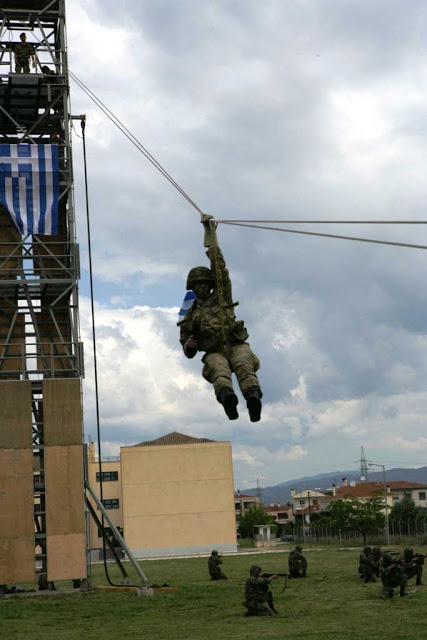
(369, 489)
(172, 438)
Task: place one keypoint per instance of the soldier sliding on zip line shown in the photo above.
(211, 326)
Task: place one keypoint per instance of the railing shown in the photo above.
(38, 261)
(412, 531)
(48, 359)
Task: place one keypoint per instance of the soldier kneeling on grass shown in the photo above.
(392, 576)
(214, 563)
(258, 596)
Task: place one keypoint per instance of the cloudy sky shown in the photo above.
(302, 109)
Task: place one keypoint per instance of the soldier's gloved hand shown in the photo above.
(205, 218)
(191, 343)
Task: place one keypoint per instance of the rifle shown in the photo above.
(196, 331)
(280, 575)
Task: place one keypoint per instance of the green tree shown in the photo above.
(404, 510)
(254, 515)
(354, 515)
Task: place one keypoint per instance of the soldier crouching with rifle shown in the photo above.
(214, 567)
(211, 326)
(413, 564)
(258, 595)
(392, 576)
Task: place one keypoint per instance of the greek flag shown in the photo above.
(29, 186)
(187, 303)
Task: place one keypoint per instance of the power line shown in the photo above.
(325, 235)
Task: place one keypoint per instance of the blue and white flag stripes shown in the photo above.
(29, 186)
(187, 303)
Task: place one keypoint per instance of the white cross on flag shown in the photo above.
(29, 186)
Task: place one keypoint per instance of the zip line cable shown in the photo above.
(123, 129)
(328, 221)
(134, 140)
(325, 235)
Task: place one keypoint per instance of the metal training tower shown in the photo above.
(42, 515)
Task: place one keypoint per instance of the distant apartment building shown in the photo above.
(171, 496)
(282, 514)
(308, 502)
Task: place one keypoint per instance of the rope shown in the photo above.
(123, 129)
(325, 235)
(95, 361)
(329, 221)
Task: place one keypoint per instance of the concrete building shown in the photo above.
(243, 502)
(282, 513)
(111, 489)
(172, 496)
(307, 502)
(396, 490)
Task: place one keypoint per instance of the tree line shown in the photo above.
(348, 514)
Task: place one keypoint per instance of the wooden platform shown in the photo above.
(136, 589)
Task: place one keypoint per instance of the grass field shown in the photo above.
(332, 604)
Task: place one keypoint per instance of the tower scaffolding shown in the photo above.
(41, 353)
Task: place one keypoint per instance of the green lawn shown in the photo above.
(332, 604)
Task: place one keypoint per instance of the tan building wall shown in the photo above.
(111, 489)
(178, 499)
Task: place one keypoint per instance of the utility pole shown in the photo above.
(363, 465)
(387, 532)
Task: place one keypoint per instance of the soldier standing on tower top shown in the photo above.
(23, 52)
(211, 326)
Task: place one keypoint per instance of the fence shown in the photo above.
(402, 532)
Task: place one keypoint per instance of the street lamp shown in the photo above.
(387, 532)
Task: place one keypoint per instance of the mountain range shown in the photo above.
(281, 493)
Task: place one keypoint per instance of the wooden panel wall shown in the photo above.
(65, 521)
(17, 562)
(62, 412)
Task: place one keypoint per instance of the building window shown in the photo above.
(302, 502)
(36, 478)
(315, 501)
(282, 516)
(111, 503)
(421, 495)
(108, 476)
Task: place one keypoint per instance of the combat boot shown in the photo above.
(229, 401)
(402, 592)
(253, 397)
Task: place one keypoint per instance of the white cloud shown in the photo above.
(255, 120)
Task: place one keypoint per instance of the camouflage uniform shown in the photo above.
(391, 576)
(369, 566)
(214, 568)
(226, 354)
(23, 53)
(258, 596)
(413, 565)
(376, 557)
(297, 563)
(362, 560)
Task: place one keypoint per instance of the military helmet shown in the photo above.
(199, 274)
(408, 552)
(214, 552)
(298, 548)
(367, 550)
(254, 569)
